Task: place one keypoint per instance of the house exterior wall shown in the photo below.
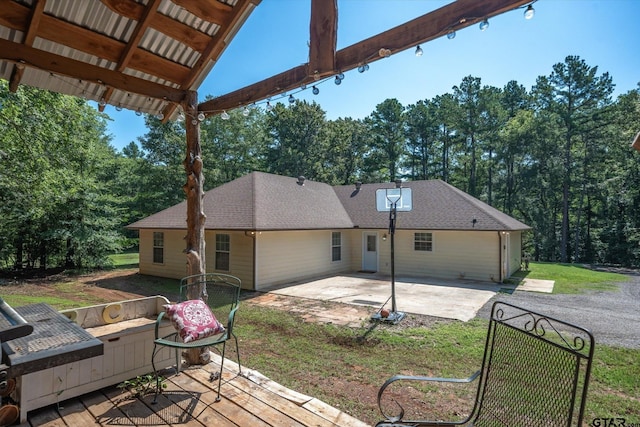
(174, 264)
(287, 256)
(455, 255)
(240, 255)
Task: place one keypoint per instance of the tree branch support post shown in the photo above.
(194, 190)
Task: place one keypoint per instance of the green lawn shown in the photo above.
(571, 278)
(125, 260)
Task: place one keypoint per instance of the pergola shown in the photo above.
(152, 55)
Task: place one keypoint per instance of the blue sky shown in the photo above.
(604, 33)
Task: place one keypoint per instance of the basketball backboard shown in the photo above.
(385, 197)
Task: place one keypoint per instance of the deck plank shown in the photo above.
(189, 401)
(273, 398)
(74, 413)
(101, 408)
(267, 413)
(204, 411)
(46, 417)
(226, 408)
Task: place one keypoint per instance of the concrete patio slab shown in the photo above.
(536, 285)
(449, 299)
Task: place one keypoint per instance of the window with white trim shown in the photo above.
(158, 247)
(336, 246)
(223, 250)
(423, 242)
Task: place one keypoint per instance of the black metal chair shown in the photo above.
(221, 292)
(535, 372)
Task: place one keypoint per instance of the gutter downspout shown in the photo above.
(500, 278)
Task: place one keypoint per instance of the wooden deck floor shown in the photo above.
(250, 400)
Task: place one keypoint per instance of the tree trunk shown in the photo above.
(194, 190)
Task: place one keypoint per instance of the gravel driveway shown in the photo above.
(612, 316)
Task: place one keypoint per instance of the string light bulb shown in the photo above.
(160, 115)
(484, 25)
(200, 116)
(224, 115)
(529, 12)
(291, 99)
(246, 111)
(180, 116)
(269, 106)
(315, 90)
(118, 107)
(419, 51)
(451, 35)
(102, 102)
(138, 112)
(363, 68)
(338, 80)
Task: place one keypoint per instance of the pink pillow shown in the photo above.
(193, 320)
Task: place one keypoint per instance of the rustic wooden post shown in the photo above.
(194, 190)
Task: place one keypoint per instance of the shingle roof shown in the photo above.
(436, 206)
(261, 201)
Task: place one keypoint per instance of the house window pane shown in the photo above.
(223, 249)
(336, 246)
(158, 247)
(371, 243)
(423, 242)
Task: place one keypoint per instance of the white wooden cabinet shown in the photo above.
(126, 329)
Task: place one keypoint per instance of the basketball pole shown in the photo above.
(392, 232)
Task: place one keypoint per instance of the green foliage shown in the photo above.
(55, 204)
(142, 385)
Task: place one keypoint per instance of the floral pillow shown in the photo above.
(193, 320)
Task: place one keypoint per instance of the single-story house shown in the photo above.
(269, 230)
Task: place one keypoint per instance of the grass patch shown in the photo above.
(125, 260)
(571, 278)
(337, 365)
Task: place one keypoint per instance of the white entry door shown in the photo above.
(370, 252)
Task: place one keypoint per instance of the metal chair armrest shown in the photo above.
(158, 322)
(396, 419)
(232, 317)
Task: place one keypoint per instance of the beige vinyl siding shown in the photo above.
(354, 238)
(175, 261)
(516, 252)
(240, 255)
(287, 256)
(456, 255)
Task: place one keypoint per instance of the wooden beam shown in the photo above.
(208, 10)
(456, 16)
(99, 45)
(133, 10)
(218, 42)
(30, 35)
(323, 37)
(132, 44)
(185, 34)
(28, 56)
(272, 86)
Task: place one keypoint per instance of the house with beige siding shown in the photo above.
(272, 230)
